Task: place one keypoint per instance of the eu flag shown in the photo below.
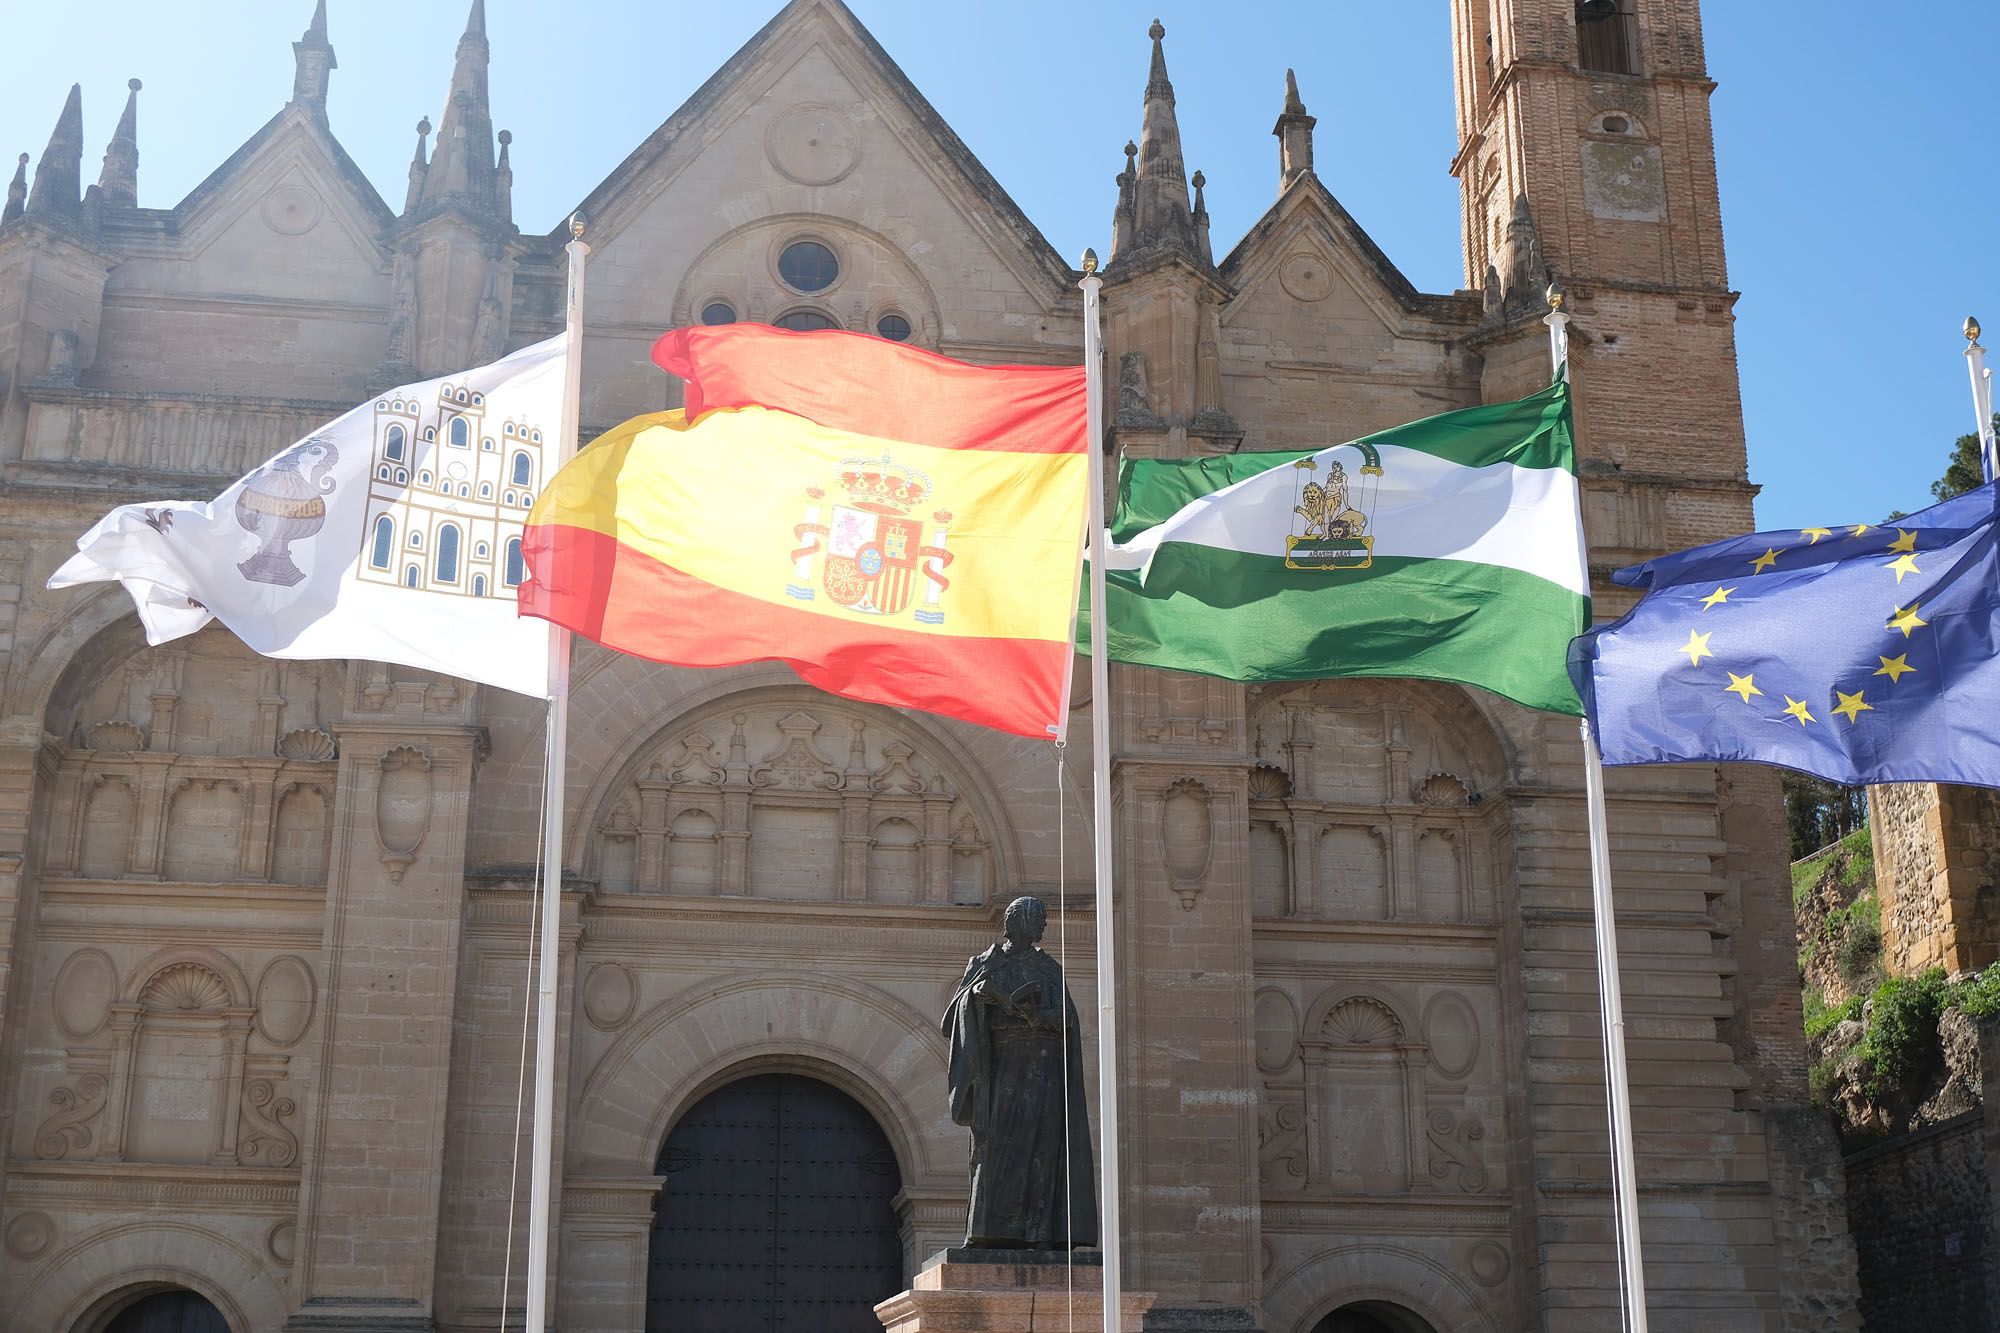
(1864, 653)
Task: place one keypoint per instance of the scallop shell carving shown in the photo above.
(1268, 782)
(116, 736)
(308, 745)
(185, 986)
(1360, 1021)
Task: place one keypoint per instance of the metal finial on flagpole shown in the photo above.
(1558, 321)
(1982, 399)
(1089, 262)
(1556, 294)
(577, 222)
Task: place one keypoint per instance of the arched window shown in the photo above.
(402, 476)
(718, 312)
(523, 469)
(393, 443)
(410, 577)
(424, 478)
(1607, 37)
(385, 542)
(509, 497)
(416, 539)
(461, 434)
(487, 444)
(447, 553)
(464, 490)
(480, 550)
(515, 571)
(804, 321)
(486, 490)
(383, 472)
(478, 585)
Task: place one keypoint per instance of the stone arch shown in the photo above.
(91, 1278)
(98, 626)
(209, 960)
(867, 1043)
(1497, 734)
(1315, 1287)
(620, 768)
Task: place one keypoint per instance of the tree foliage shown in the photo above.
(1818, 812)
(1963, 473)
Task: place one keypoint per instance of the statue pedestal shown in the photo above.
(1009, 1291)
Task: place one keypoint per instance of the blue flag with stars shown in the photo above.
(1862, 654)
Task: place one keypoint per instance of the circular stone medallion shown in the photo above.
(30, 1234)
(1306, 276)
(812, 144)
(291, 210)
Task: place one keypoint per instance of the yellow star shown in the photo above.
(1797, 708)
(1905, 541)
(1851, 706)
(1903, 564)
(1719, 595)
(1696, 647)
(1857, 529)
(1764, 561)
(1741, 686)
(1895, 668)
(1815, 534)
(1906, 620)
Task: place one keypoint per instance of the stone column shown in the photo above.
(1189, 1101)
(372, 1140)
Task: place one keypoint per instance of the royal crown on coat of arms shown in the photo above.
(873, 555)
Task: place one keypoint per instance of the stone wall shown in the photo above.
(1928, 1245)
(1937, 855)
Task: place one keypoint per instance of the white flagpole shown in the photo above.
(1603, 913)
(1100, 788)
(543, 1155)
(1982, 399)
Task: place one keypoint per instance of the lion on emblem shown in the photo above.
(1326, 512)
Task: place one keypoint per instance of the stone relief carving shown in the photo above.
(263, 1139)
(185, 986)
(609, 995)
(767, 812)
(85, 986)
(1454, 1149)
(402, 807)
(314, 745)
(68, 1130)
(286, 997)
(30, 1235)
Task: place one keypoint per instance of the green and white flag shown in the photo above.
(1448, 549)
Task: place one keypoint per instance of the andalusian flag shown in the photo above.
(1447, 549)
(897, 526)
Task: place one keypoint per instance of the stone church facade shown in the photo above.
(263, 925)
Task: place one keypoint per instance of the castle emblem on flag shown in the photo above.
(1332, 518)
(872, 551)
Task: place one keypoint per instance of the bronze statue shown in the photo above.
(1016, 1064)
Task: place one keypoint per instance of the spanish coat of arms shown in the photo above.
(872, 551)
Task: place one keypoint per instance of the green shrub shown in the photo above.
(1861, 944)
(1822, 1017)
(1820, 1077)
(1902, 1030)
(1978, 995)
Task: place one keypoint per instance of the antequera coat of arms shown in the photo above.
(1331, 517)
(871, 549)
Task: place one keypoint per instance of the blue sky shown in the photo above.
(1854, 151)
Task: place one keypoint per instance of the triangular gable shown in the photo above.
(1308, 209)
(292, 118)
(1007, 229)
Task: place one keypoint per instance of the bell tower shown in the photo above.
(1586, 156)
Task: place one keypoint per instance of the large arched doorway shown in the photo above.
(1373, 1317)
(777, 1215)
(175, 1310)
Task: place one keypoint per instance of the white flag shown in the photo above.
(392, 534)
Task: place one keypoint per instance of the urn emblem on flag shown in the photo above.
(874, 551)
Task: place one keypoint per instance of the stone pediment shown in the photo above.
(1311, 247)
(810, 119)
(292, 149)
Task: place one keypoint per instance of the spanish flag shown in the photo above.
(897, 526)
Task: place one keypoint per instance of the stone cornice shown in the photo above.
(224, 1188)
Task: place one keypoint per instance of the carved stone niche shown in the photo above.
(1186, 838)
(402, 807)
(1364, 1089)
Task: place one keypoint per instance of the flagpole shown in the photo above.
(1100, 788)
(543, 1154)
(1604, 922)
(1982, 399)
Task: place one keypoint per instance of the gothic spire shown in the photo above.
(1295, 136)
(420, 166)
(1162, 213)
(17, 192)
(462, 168)
(314, 57)
(59, 175)
(118, 183)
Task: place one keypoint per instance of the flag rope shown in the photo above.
(521, 1076)
(1062, 961)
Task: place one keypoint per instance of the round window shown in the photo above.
(893, 327)
(808, 266)
(804, 321)
(718, 312)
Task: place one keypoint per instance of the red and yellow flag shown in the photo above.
(897, 526)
